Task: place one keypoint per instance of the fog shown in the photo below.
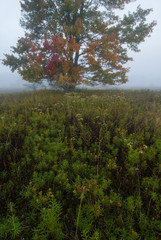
(145, 70)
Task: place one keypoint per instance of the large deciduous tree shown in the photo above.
(69, 42)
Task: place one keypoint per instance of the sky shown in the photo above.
(145, 70)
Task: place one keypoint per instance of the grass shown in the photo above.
(80, 165)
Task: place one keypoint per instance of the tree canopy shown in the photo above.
(68, 42)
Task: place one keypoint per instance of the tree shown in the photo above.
(69, 42)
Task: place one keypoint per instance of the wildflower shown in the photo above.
(44, 199)
(144, 146)
(134, 233)
(119, 204)
(33, 189)
(114, 165)
(129, 144)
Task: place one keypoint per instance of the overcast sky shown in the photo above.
(145, 69)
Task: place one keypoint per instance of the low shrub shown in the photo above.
(80, 165)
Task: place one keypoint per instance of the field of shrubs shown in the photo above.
(83, 165)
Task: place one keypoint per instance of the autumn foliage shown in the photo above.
(52, 59)
(72, 42)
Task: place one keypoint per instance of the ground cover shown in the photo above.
(80, 165)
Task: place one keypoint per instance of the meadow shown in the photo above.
(82, 165)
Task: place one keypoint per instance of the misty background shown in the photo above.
(145, 70)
